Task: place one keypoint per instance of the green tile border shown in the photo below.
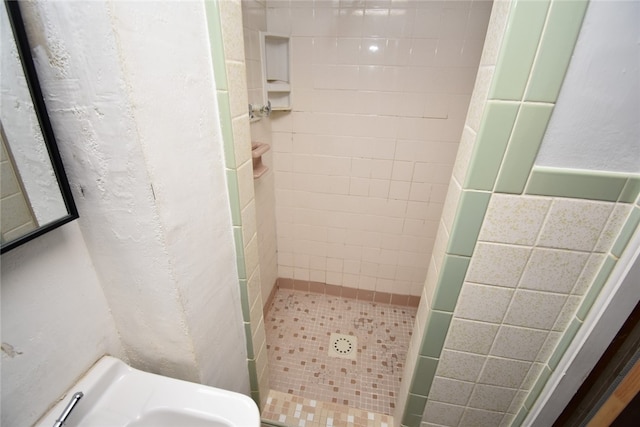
(450, 280)
(234, 197)
(226, 126)
(521, 39)
(491, 144)
(596, 286)
(519, 419)
(579, 184)
(435, 333)
(423, 375)
(416, 404)
(411, 420)
(524, 144)
(253, 375)
(631, 190)
(214, 25)
(537, 387)
(250, 350)
(556, 47)
(467, 222)
(629, 227)
(562, 346)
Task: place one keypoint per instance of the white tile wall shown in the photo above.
(381, 90)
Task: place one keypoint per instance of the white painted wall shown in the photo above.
(131, 96)
(595, 123)
(55, 322)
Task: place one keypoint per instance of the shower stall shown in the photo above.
(359, 166)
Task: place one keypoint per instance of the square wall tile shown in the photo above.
(567, 313)
(451, 391)
(491, 398)
(442, 414)
(483, 303)
(574, 224)
(504, 372)
(514, 219)
(460, 365)
(553, 270)
(470, 336)
(534, 309)
(479, 417)
(518, 343)
(495, 264)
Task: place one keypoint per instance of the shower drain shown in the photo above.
(343, 346)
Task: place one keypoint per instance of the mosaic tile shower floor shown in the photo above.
(299, 325)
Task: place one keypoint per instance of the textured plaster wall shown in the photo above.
(132, 100)
(55, 322)
(595, 123)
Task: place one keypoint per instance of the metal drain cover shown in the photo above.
(343, 346)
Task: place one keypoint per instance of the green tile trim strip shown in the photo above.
(562, 346)
(556, 47)
(491, 144)
(526, 21)
(626, 232)
(519, 419)
(214, 25)
(537, 388)
(596, 286)
(577, 183)
(226, 126)
(416, 404)
(240, 259)
(523, 147)
(253, 374)
(411, 420)
(631, 190)
(435, 333)
(234, 197)
(250, 350)
(467, 222)
(423, 375)
(450, 280)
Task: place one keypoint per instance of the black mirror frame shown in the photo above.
(24, 50)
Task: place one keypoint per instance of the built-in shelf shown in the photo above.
(276, 70)
(257, 150)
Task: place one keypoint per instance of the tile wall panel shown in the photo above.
(363, 162)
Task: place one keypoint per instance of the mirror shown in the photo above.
(36, 197)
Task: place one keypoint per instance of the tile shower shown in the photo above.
(360, 169)
(434, 361)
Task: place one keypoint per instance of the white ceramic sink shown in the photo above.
(116, 395)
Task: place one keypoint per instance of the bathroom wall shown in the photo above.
(55, 322)
(523, 250)
(380, 92)
(131, 95)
